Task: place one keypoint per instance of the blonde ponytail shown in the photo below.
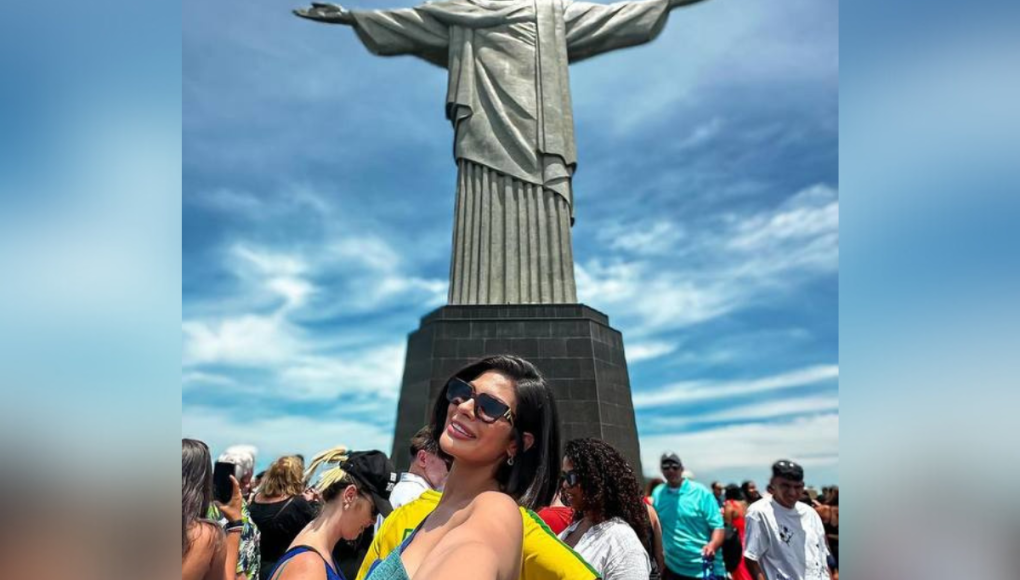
(333, 479)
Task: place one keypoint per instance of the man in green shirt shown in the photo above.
(692, 524)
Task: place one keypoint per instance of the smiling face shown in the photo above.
(470, 439)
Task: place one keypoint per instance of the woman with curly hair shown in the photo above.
(611, 529)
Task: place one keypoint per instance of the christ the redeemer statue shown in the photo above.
(509, 102)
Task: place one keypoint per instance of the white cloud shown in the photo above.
(658, 238)
(246, 340)
(299, 363)
(752, 412)
(811, 441)
(703, 133)
(198, 378)
(723, 46)
(229, 201)
(690, 391)
(375, 371)
(282, 434)
(648, 350)
(811, 213)
(647, 299)
(368, 251)
(665, 278)
(255, 329)
(301, 372)
(268, 262)
(294, 291)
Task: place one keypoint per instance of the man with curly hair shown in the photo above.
(692, 525)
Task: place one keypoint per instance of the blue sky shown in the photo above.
(318, 201)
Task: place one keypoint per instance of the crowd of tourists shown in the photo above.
(487, 495)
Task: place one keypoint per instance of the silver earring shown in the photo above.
(510, 460)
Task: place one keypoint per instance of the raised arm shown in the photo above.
(402, 31)
(594, 28)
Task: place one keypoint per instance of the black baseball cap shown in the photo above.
(788, 470)
(375, 475)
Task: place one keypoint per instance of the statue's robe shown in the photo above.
(509, 102)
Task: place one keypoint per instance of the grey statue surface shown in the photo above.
(508, 99)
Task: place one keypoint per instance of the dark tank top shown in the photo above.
(331, 571)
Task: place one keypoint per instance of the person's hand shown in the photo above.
(232, 510)
(325, 12)
(708, 551)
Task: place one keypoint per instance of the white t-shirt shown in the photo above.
(408, 489)
(613, 549)
(788, 543)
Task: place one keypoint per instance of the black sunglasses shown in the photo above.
(488, 408)
(670, 466)
(571, 478)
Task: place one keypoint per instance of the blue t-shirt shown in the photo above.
(688, 514)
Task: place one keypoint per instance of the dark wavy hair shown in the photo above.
(733, 492)
(531, 480)
(196, 486)
(610, 487)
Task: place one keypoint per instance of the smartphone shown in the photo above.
(223, 488)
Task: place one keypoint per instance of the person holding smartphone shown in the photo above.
(206, 555)
(239, 460)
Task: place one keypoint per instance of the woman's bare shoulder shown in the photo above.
(495, 504)
(205, 542)
(205, 536)
(307, 566)
(485, 544)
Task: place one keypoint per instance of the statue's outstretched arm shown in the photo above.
(389, 32)
(328, 13)
(679, 3)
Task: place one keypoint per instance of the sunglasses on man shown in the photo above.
(670, 466)
(487, 408)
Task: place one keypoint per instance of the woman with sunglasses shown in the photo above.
(497, 420)
(353, 494)
(611, 529)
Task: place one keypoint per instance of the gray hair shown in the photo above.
(243, 457)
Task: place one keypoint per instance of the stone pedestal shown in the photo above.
(571, 344)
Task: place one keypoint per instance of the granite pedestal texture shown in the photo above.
(573, 345)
